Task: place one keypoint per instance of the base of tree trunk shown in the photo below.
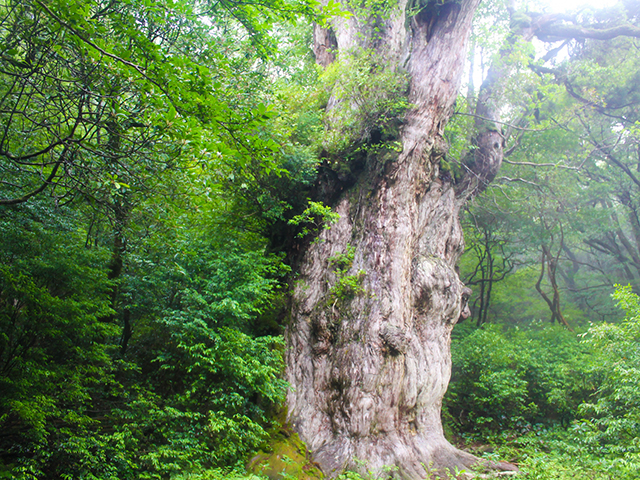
(368, 347)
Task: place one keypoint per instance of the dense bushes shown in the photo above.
(510, 379)
(54, 361)
(610, 419)
(564, 401)
(193, 390)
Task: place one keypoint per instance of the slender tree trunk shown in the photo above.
(378, 294)
(489, 279)
(550, 261)
(481, 296)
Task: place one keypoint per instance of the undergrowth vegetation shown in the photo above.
(193, 388)
(558, 404)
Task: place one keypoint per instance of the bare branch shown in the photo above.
(533, 164)
(522, 180)
(45, 184)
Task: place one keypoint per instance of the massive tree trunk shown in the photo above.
(378, 293)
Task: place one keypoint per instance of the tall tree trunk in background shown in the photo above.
(378, 294)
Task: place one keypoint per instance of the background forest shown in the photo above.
(157, 171)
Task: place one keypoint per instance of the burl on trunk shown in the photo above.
(377, 294)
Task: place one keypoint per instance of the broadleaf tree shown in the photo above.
(566, 188)
(131, 132)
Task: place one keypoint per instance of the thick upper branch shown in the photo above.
(485, 158)
(553, 31)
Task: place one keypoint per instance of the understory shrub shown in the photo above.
(560, 405)
(560, 453)
(194, 390)
(609, 424)
(511, 379)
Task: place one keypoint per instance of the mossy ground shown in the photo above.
(285, 457)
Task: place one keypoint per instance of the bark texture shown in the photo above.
(378, 294)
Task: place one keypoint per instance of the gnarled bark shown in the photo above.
(368, 345)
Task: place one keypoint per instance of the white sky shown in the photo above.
(572, 5)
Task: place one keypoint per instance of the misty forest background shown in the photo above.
(157, 172)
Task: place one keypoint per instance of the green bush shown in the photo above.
(609, 426)
(55, 327)
(557, 402)
(368, 98)
(510, 379)
(206, 382)
(560, 453)
(193, 391)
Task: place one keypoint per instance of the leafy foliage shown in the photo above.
(611, 425)
(155, 153)
(368, 99)
(553, 398)
(346, 286)
(53, 305)
(315, 215)
(139, 335)
(510, 380)
(564, 197)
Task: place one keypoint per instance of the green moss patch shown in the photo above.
(285, 457)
